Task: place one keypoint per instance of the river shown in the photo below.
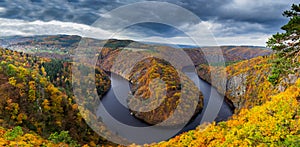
(117, 117)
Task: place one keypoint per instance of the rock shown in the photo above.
(236, 88)
(292, 78)
(281, 88)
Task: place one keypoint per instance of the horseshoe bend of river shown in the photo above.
(116, 116)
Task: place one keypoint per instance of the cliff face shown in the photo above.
(236, 87)
(247, 81)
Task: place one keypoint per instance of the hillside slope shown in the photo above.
(266, 115)
(17, 137)
(274, 123)
(247, 81)
(41, 101)
(159, 92)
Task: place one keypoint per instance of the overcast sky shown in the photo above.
(232, 22)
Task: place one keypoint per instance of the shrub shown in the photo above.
(64, 137)
(14, 133)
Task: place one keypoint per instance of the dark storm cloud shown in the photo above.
(79, 11)
(235, 13)
(235, 16)
(154, 29)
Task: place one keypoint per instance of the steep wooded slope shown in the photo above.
(274, 123)
(30, 100)
(159, 91)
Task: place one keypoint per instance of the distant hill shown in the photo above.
(63, 46)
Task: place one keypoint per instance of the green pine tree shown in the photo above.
(286, 45)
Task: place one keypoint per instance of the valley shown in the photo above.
(54, 64)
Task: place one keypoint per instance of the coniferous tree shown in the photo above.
(286, 45)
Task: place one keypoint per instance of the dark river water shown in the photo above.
(117, 117)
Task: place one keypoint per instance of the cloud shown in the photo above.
(88, 11)
(227, 19)
(2, 10)
(257, 39)
(251, 39)
(232, 28)
(79, 11)
(207, 33)
(266, 13)
(255, 11)
(11, 27)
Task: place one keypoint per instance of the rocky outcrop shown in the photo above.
(247, 81)
(236, 89)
